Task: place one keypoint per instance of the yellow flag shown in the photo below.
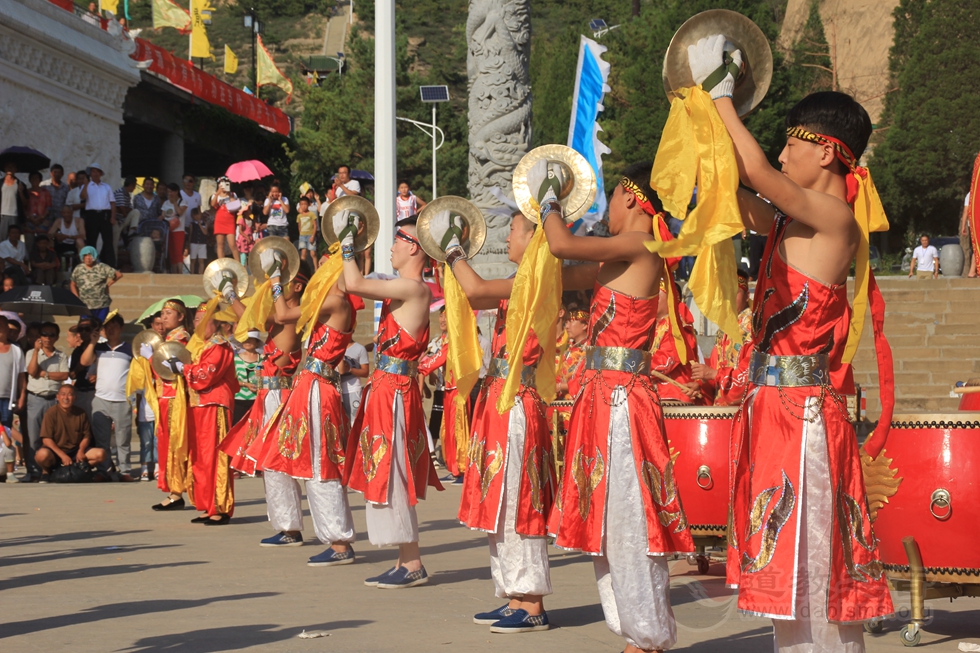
(231, 61)
(268, 74)
(168, 14)
(200, 45)
(112, 6)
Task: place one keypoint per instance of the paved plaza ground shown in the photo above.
(92, 568)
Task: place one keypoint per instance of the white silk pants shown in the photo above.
(396, 522)
(518, 564)
(634, 587)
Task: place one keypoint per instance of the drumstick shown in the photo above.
(667, 379)
(967, 389)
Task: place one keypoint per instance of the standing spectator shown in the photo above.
(966, 241)
(313, 197)
(100, 213)
(245, 233)
(163, 191)
(197, 246)
(306, 221)
(925, 260)
(111, 412)
(173, 212)
(147, 202)
(38, 206)
(66, 436)
(74, 199)
(13, 378)
(68, 233)
(248, 367)
(80, 375)
(58, 190)
(14, 255)
(124, 206)
(47, 369)
(9, 192)
(343, 184)
(90, 282)
(44, 262)
(226, 205)
(189, 197)
(354, 367)
(407, 203)
(276, 208)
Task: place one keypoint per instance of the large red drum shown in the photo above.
(699, 437)
(970, 401)
(926, 484)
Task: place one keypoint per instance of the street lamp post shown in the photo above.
(433, 95)
(251, 21)
(433, 131)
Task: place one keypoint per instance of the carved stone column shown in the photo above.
(498, 35)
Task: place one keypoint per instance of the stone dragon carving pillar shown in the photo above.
(498, 36)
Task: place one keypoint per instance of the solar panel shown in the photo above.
(435, 93)
(597, 24)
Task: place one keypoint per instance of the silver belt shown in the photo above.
(789, 371)
(393, 365)
(618, 359)
(276, 382)
(323, 369)
(500, 368)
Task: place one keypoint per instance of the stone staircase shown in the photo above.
(933, 326)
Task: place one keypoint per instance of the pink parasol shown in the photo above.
(247, 171)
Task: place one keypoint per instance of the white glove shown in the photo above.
(346, 225)
(271, 262)
(446, 230)
(175, 365)
(146, 350)
(715, 63)
(227, 286)
(545, 181)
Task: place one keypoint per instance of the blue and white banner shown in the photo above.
(583, 130)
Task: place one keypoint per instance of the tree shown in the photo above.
(930, 131)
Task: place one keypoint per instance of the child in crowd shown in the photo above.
(306, 220)
(197, 247)
(246, 235)
(248, 366)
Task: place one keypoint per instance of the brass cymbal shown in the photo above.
(474, 226)
(367, 233)
(212, 276)
(752, 85)
(287, 252)
(578, 192)
(164, 352)
(149, 336)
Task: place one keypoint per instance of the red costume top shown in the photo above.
(454, 429)
(731, 381)
(805, 321)
(369, 455)
(570, 370)
(212, 378)
(667, 360)
(625, 325)
(484, 481)
(314, 409)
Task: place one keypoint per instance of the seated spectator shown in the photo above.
(9, 282)
(65, 436)
(68, 233)
(197, 247)
(14, 255)
(38, 205)
(90, 282)
(44, 262)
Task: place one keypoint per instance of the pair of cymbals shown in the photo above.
(287, 254)
(474, 226)
(369, 221)
(164, 352)
(213, 274)
(576, 192)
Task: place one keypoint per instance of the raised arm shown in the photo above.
(563, 244)
(482, 293)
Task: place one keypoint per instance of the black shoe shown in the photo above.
(173, 505)
(224, 519)
(200, 520)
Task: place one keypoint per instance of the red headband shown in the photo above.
(404, 235)
(842, 151)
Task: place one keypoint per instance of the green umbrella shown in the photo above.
(190, 301)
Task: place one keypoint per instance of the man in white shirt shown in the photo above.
(190, 198)
(110, 362)
(14, 255)
(343, 184)
(353, 368)
(99, 214)
(925, 261)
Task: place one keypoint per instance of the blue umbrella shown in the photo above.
(361, 175)
(26, 159)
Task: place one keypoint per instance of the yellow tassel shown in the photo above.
(870, 216)
(257, 311)
(140, 379)
(196, 344)
(317, 290)
(464, 357)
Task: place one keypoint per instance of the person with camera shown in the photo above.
(65, 437)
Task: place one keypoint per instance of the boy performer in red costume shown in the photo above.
(310, 429)
(172, 445)
(666, 359)
(726, 374)
(801, 547)
(212, 385)
(618, 501)
(387, 454)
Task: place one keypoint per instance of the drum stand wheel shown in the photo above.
(874, 626)
(911, 635)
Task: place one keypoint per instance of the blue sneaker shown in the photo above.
(401, 578)
(329, 558)
(490, 618)
(283, 539)
(521, 622)
(374, 580)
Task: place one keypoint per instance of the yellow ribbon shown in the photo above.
(257, 311)
(673, 317)
(317, 290)
(196, 344)
(464, 356)
(140, 379)
(870, 216)
(534, 303)
(695, 149)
